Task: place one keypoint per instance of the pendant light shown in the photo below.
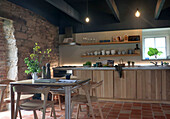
(137, 13)
(87, 18)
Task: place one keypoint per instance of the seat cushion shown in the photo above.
(83, 99)
(34, 105)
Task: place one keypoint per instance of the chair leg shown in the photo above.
(78, 110)
(20, 116)
(101, 114)
(59, 101)
(35, 114)
(89, 103)
(53, 111)
(88, 110)
(17, 105)
(72, 108)
(91, 108)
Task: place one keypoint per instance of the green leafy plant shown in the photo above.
(154, 51)
(34, 61)
(88, 63)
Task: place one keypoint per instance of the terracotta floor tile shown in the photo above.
(159, 117)
(123, 117)
(110, 110)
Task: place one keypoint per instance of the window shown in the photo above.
(154, 42)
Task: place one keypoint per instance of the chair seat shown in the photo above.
(23, 97)
(83, 99)
(57, 91)
(34, 105)
(60, 91)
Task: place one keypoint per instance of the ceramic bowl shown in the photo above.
(107, 52)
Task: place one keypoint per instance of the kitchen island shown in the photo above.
(142, 83)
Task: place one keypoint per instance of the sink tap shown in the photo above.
(155, 63)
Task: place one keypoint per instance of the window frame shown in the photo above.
(155, 36)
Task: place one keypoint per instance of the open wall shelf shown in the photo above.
(110, 55)
(107, 43)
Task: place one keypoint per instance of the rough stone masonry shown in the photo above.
(28, 29)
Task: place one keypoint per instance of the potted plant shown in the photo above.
(34, 61)
(154, 52)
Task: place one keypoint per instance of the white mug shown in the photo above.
(113, 52)
(103, 52)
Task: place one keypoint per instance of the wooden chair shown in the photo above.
(87, 99)
(59, 92)
(4, 84)
(33, 104)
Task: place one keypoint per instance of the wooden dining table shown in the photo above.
(67, 86)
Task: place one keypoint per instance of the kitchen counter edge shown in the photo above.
(113, 68)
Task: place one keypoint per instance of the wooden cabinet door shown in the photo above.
(149, 84)
(125, 87)
(106, 90)
(83, 74)
(166, 85)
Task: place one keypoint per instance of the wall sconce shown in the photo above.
(137, 13)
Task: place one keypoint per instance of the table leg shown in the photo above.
(12, 102)
(67, 102)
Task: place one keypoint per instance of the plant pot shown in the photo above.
(34, 76)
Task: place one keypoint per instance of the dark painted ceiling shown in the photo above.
(100, 14)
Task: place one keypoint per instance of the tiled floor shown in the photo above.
(111, 110)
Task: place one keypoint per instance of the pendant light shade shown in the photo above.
(87, 19)
(137, 13)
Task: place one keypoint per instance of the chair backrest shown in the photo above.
(3, 85)
(91, 86)
(29, 89)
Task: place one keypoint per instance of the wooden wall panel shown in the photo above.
(125, 87)
(106, 90)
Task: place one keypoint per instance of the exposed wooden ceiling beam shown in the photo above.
(66, 8)
(113, 7)
(158, 8)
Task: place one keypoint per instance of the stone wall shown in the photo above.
(3, 53)
(30, 28)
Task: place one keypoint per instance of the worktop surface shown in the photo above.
(149, 67)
